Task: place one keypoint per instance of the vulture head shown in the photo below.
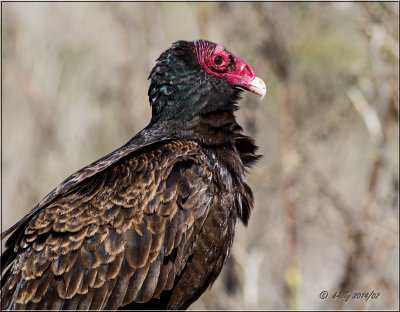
(196, 77)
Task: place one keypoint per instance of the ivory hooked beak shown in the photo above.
(257, 86)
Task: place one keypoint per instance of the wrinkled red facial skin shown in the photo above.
(232, 69)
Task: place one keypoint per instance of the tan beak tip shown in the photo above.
(257, 86)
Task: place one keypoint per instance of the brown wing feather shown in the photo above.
(123, 236)
(143, 139)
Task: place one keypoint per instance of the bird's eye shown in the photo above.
(218, 60)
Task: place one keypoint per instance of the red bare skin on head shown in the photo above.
(218, 61)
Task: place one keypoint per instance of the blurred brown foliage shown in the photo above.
(74, 88)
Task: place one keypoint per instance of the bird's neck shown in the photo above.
(218, 131)
(215, 128)
(208, 120)
(200, 107)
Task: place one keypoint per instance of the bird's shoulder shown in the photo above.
(152, 183)
(134, 223)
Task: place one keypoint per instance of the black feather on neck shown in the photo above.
(191, 104)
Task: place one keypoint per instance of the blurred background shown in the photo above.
(74, 88)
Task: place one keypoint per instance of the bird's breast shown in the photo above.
(213, 244)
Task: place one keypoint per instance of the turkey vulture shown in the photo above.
(150, 225)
